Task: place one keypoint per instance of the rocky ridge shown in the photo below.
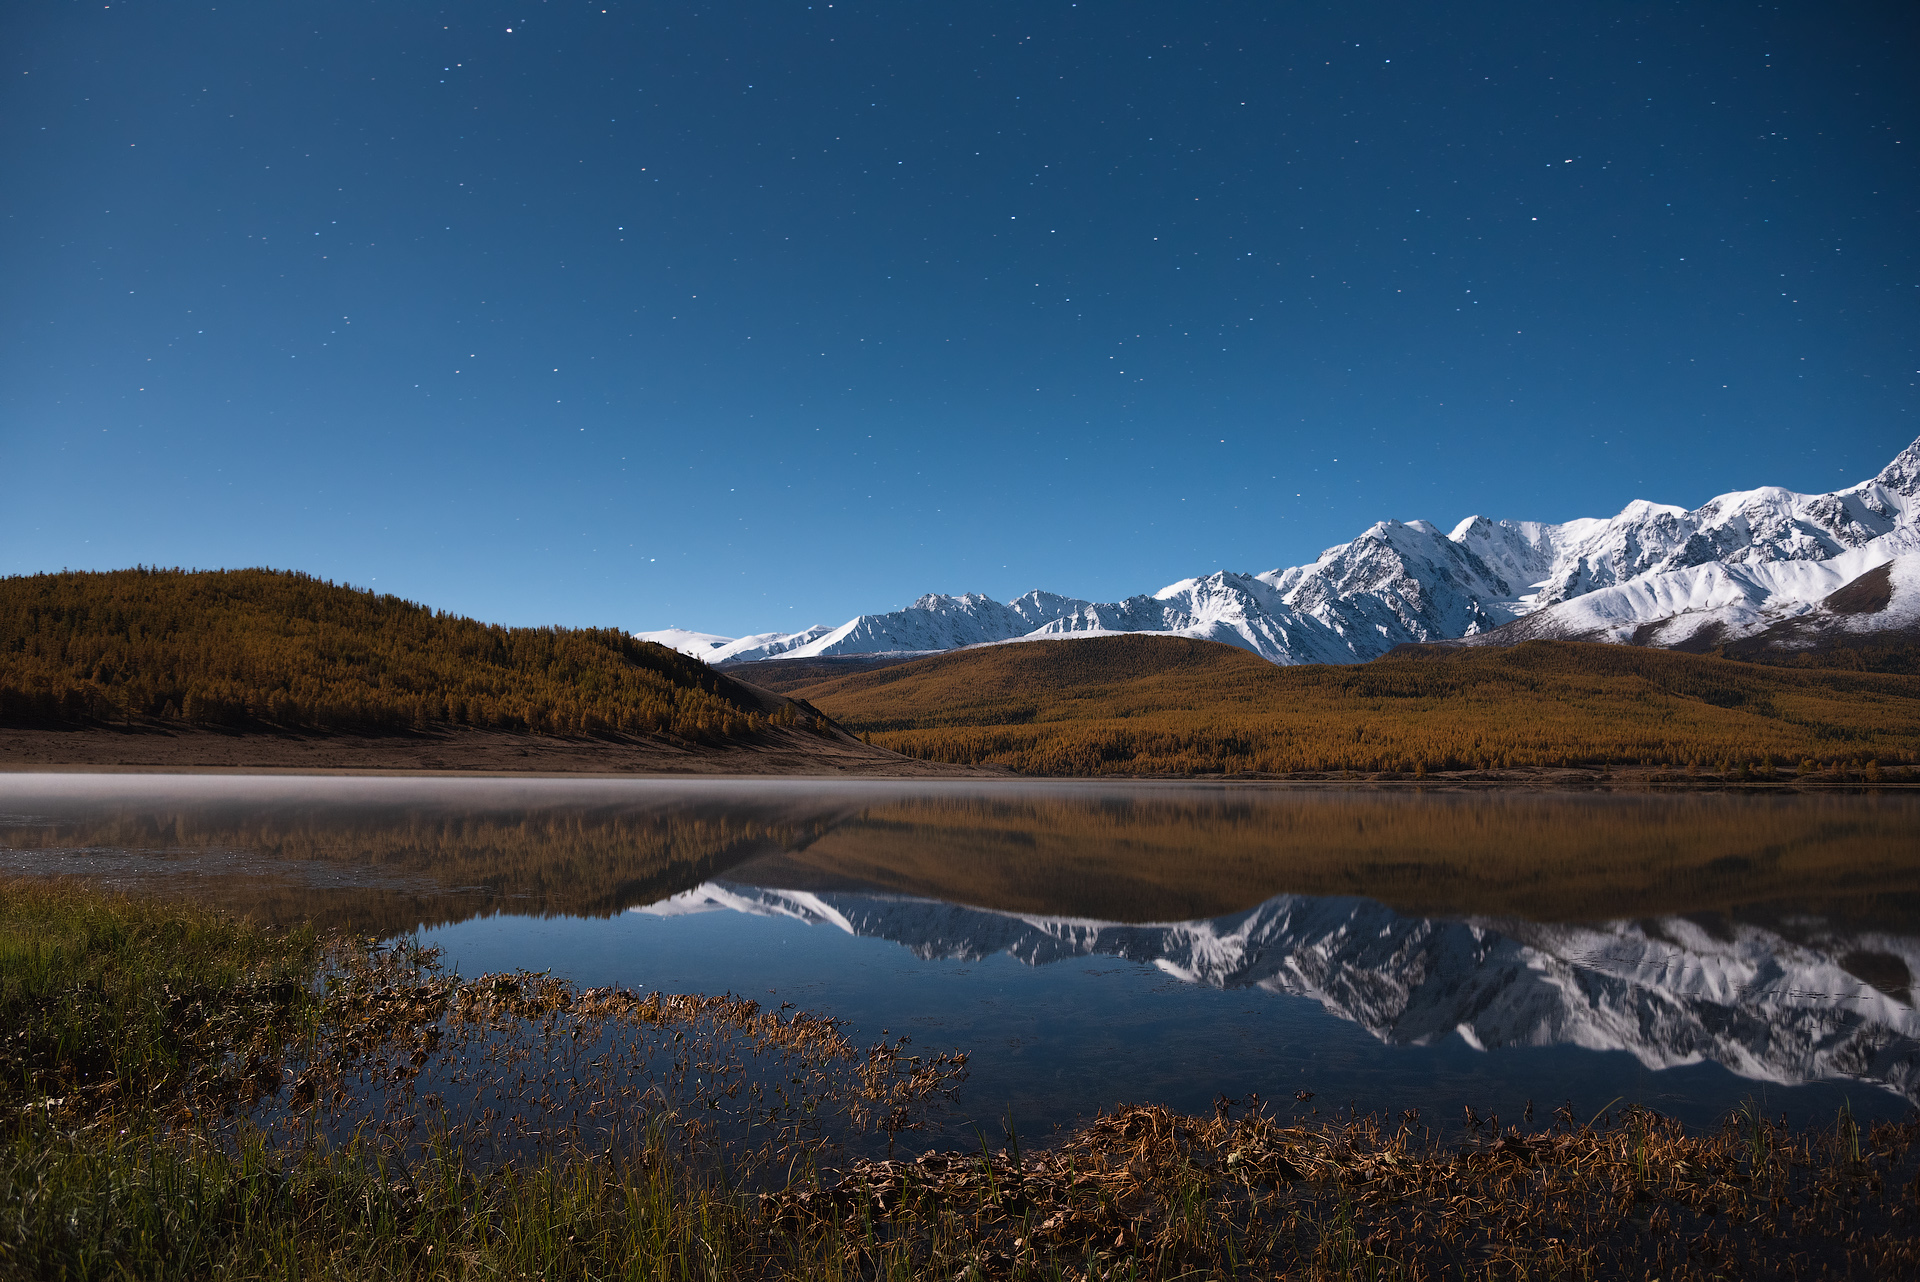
(1736, 566)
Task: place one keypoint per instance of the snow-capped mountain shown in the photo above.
(1666, 991)
(1749, 560)
(1788, 603)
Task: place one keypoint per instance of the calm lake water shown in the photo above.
(1091, 943)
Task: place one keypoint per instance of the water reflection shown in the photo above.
(390, 855)
(1771, 939)
(1669, 991)
(387, 856)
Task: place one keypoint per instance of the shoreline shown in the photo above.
(790, 755)
(456, 752)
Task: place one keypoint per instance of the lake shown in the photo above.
(1092, 943)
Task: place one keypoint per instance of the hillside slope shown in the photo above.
(1129, 705)
(782, 675)
(262, 649)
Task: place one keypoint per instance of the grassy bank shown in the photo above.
(188, 1096)
(111, 1003)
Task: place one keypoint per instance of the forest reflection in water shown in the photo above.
(389, 855)
(1774, 936)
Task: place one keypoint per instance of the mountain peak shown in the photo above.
(1642, 509)
(940, 600)
(1902, 475)
(1737, 562)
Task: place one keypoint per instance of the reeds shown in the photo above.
(111, 1000)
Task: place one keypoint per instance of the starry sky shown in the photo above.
(754, 316)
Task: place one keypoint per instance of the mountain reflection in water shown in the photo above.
(1668, 990)
(1774, 935)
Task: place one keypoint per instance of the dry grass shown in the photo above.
(517, 1066)
(1166, 705)
(1144, 1193)
(380, 1118)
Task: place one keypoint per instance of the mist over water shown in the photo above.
(1093, 943)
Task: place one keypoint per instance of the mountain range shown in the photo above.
(1761, 563)
(1669, 990)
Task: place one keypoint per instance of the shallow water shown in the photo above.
(1093, 943)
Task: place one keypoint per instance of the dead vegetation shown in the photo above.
(1144, 1193)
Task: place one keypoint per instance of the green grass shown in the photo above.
(83, 1205)
(128, 997)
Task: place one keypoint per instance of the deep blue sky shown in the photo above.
(756, 316)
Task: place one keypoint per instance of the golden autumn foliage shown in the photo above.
(1184, 851)
(1134, 705)
(446, 851)
(430, 858)
(266, 647)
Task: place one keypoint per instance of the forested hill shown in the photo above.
(270, 647)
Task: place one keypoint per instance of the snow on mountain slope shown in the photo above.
(698, 644)
(767, 645)
(1238, 609)
(1398, 582)
(1667, 991)
(1707, 605)
(931, 624)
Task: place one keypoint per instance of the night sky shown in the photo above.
(756, 316)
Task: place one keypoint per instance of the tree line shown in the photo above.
(262, 647)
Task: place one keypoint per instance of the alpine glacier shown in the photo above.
(1744, 564)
